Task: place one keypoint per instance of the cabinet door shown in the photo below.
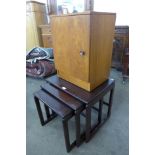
(71, 45)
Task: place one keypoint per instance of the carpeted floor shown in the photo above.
(111, 139)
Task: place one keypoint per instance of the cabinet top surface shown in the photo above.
(85, 13)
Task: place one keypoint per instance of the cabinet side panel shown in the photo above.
(102, 34)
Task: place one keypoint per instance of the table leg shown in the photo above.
(39, 111)
(77, 124)
(66, 135)
(47, 111)
(110, 102)
(100, 110)
(88, 123)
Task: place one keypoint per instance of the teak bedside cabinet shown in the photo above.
(82, 44)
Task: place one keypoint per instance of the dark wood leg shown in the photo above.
(66, 135)
(77, 124)
(39, 111)
(100, 110)
(53, 113)
(110, 102)
(47, 111)
(50, 111)
(88, 123)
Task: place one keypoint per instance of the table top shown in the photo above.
(51, 102)
(79, 93)
(62, 96)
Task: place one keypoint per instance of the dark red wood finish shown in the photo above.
(79, 93)
(63, 97)
(88, 99)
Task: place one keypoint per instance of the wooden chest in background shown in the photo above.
(83, 45)
(121, 43)
(46, 36)
(35, 16)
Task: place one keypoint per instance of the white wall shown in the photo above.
(120, 7)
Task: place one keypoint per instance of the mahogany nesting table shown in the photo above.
(89, 99)
(67, 100)
(54, 107)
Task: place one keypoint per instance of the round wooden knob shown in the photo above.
(82, 53)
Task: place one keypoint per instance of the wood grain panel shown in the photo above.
(102, 33)
(31, 38)
(33, 6)
(46, 35)
(70, 35)
(74, 80)
(46, 30)
(47, 40)
(34, 18)
(91, 32)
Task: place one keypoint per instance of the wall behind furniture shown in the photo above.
(120, 7)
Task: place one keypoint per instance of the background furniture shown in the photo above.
(82, 46)
(121, 42)
(35, 16)
(89, 5)
(53, 6)
(125, 69)
(46, 36)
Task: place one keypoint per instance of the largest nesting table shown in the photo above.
(67, 100)
(89, 99)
